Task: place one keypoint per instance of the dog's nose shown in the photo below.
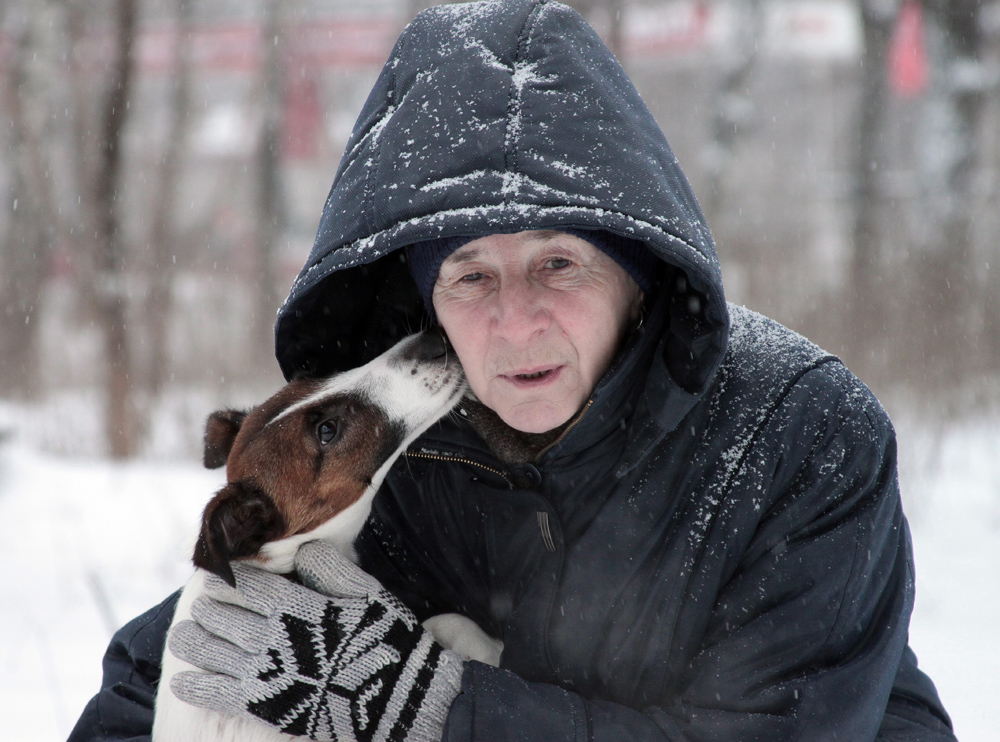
(429, 346)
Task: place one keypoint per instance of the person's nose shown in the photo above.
(521, 311)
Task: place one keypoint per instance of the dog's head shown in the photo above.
(306, 463)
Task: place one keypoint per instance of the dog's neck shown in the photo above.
(507, 444)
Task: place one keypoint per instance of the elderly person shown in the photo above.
(681, 518)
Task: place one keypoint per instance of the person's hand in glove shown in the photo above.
(340, 659)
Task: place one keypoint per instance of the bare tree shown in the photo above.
(161, 267)
(111, 294)
(82, 111)
(268, 198)
(878, 19)
(949, 146)
(27, 246)
(733, 110)
(947, 156)
(864, 294)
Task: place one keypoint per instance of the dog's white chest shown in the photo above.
(175, 720)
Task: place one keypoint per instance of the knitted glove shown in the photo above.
(352, 667)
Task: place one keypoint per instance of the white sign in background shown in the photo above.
(827, 30)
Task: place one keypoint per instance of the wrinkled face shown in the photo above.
(535, 319)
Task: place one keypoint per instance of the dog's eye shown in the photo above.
(327, 432)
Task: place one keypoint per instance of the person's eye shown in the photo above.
(557, 263)
(472, 277)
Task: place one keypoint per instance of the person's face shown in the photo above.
(535, 318)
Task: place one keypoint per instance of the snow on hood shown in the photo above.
(495, 117)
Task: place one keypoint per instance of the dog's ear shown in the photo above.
(220, 432)
(237, 522)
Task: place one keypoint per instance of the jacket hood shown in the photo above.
(495, 117)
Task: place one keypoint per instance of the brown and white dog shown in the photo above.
(305, 465)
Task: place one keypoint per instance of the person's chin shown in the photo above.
(538, 416)
(534, 408)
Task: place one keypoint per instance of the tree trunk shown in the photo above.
(733, 111)
(120, 422)
(27, 248)
(269, 207)
(162, 264)
(23, 264)
(878, 19)
(867, 309)
(948, 151)
(951, 118)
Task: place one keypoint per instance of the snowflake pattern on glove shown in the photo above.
(339, 668)
(343, 668)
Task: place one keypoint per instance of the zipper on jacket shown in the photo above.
(543, 516)
(460, 460)
(563, 434)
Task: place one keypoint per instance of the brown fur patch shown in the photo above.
(221, 430)
(311, 483)
(236, 523)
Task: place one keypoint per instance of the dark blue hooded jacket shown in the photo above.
(714, 549)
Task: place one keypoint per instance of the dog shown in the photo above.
(305, 465)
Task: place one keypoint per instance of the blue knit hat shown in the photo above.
(425, 258)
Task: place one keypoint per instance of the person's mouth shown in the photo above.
(532, 377)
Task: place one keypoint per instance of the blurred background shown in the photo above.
(165, 162)
(163, 166)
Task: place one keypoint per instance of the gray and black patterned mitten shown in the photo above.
(353, 667)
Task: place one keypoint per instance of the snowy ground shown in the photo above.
(85, 545)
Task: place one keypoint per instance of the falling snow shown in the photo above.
(97, 543)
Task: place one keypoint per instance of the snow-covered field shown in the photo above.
(86, 545)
